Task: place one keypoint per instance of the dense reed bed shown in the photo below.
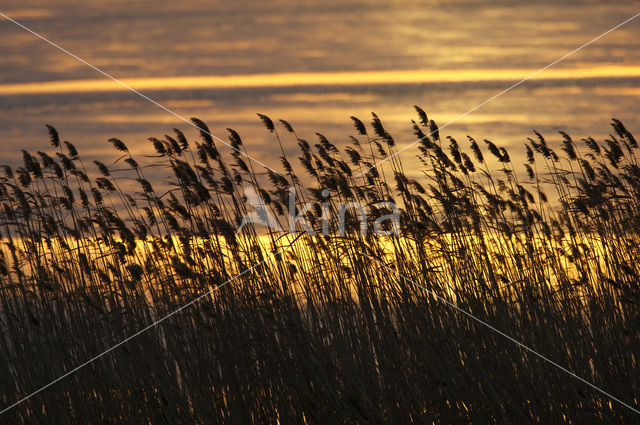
(325, 328)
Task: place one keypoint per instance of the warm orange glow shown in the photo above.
(316, 79)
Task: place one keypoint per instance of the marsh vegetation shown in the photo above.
(322, 329)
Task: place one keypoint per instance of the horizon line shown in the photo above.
(291, 79)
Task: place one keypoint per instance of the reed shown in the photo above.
(324, 328)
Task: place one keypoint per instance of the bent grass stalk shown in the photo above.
(546, 251)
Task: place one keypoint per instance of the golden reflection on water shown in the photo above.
(444, 253)
(344, 78)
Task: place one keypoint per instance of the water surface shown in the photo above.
(460, 53)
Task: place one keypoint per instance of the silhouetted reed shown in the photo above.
(313, 331)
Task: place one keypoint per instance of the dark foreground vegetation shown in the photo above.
(324, 329)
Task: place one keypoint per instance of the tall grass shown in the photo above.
(322, 329)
